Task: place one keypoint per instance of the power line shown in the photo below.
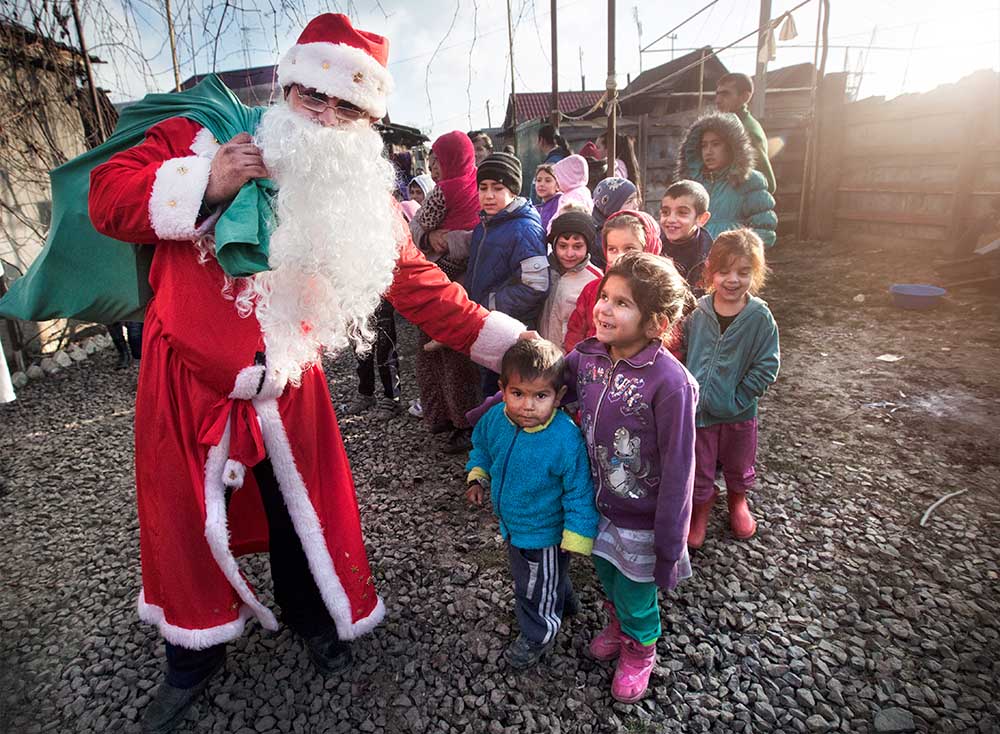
(705, 57)
(683, 22)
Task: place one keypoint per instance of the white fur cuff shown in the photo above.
(176, 198)
(499, 332)
(248, 380)
(233, 474)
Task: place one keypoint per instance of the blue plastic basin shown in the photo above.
(917, 296)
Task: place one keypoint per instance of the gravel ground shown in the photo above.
(843, 614)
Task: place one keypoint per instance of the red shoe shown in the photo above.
(607, 644)
(699, 523)
(740, 519)
(634, 667)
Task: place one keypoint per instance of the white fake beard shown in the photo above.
(334, 249)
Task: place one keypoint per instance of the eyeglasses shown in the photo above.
(319, 103)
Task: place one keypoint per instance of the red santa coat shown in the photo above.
(203, 411)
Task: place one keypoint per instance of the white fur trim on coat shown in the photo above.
(192, 639)
(217, 531)
(308, 528)
(338, 70)
(205, 145)
(499, 332)
(176, 197)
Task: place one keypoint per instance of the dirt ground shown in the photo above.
(842, 614)
(937, 407)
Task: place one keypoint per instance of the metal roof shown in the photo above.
(532, 105)
(238, 78)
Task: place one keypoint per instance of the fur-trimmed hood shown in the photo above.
(729, 127)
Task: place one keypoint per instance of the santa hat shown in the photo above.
(337, 60)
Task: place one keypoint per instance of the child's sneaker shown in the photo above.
(387, 409)
(360, 404)
(523, 653)
(634, 667)
(740, 519)
(699, 523)
(607, 644)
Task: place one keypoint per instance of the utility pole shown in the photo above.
(864, 62)
(760, 77)
(672, 37)
(906, 70)
(102, 132)
(583, 79)
(510, 50)
(554, 113)
(612, 87)
(194, 54)
(701, 80)
(173, 46)
(638, 28)
(489, 120)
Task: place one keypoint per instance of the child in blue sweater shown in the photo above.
(531, 459)
(732, 350)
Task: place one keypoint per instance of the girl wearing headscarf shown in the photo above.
(630, 230)
(611, 195)
(448, 381)
(454, 202)
(571, 174)
(421, 187)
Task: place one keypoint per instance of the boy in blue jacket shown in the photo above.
(508, 257)
(531, 459)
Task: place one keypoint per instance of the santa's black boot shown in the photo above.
(329, 653)
(170, 703)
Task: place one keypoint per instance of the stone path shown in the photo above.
(842, 615)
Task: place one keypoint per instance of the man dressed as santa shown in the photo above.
(237, 445)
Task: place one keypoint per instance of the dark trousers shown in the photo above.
(541, 585)
(295, 591)
(133, 333)
(489, 382)
(382, 356)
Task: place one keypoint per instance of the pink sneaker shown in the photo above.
(607, 643)
(634, 667)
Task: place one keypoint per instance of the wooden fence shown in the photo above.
(915, 168)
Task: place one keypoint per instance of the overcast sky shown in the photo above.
(449, 57)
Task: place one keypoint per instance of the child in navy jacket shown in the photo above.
(508, 257)
(531, 459)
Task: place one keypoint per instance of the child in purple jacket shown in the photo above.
(637, 410)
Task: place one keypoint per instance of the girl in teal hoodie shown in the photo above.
(718, 154)
(733, 353)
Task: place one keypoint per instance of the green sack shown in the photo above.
(81, 274)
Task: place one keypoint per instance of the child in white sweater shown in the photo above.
(570, 270)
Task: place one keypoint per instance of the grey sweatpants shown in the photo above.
(541, 584)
